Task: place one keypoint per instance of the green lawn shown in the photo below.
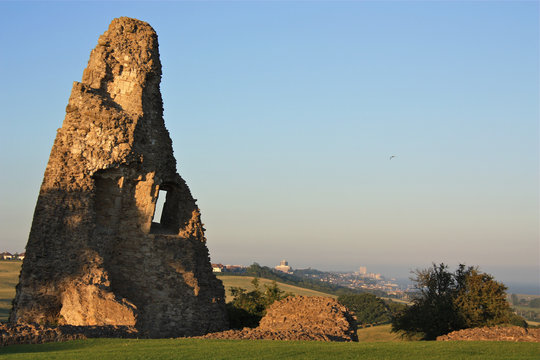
(265, 349)
(245, 282)
(9, 277)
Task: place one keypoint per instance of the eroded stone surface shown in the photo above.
(300, 318)
(95, 255)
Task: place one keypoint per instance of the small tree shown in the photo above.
(449, 301)
(433, 312)
(481, 301)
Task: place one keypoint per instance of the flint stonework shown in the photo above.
(96, 255)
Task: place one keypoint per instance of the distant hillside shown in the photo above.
(245, 282)
(300, 278)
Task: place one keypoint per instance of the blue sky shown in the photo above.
(283, 117)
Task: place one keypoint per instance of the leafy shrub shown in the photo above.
(449, 301)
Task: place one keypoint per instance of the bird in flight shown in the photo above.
(393, 156)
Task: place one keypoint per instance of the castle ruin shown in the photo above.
(97, 254)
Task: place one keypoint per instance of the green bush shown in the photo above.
(449, 301)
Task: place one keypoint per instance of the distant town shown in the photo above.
(358, 280)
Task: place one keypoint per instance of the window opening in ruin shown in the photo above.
(160, 204)
(166, 219)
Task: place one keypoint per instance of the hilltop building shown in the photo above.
(283, 267)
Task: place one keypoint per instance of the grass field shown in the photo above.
(245, 282)
(264, 349)
(9, 276)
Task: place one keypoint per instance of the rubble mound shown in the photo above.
(495, 333)
(17, 334)
(300, 318)
(315, 314)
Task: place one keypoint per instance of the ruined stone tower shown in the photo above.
(96, 254)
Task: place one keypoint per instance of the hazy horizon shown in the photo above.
(284, 116)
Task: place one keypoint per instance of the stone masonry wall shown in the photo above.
(95, 254)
